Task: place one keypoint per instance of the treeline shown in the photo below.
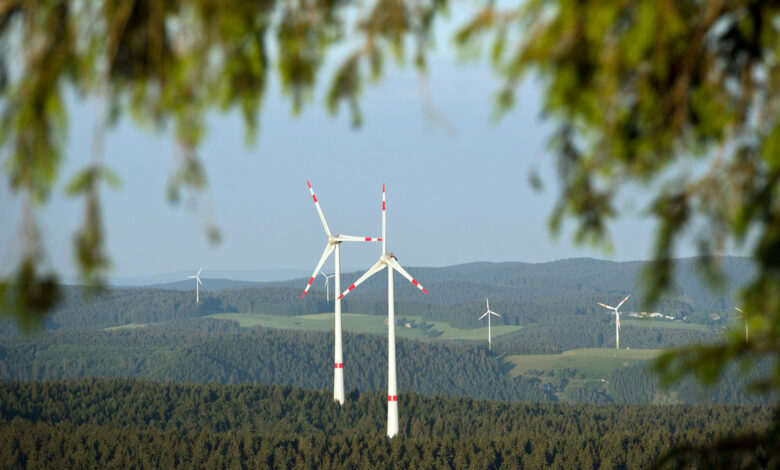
(304, 359)
(554, 335)
(139, 424)
(547, 328)
(525, 294)
(634, 384)
(298, 358)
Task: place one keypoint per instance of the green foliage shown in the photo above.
(126, 423)
(168, 64)
(222, 353)
(640, 92)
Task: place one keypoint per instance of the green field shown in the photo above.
(595, 363)
(359, 323)
(650, 323)
(129, 326)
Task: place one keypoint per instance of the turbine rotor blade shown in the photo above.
(739, 310)
(483, 316)
(192, 277)
(319, 210)
(487, 301)
(496, 314)
(328, 250)
(623, 301)
(199, 281)
(606, 306)
(199, 270)
(384, 221)
(352, 238)
(394, 264)
(374, 269)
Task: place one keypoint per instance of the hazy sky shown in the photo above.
(456, 193)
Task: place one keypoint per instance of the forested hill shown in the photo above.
(541, 294)
(302, 359)
(209, 284)
(574, 279)
(224, 353)
(137, 424)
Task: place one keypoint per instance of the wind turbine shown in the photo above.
(489, 313)
(617, 319)
(390, 262)
(327, 287)
(744, 315)
(197, 281)
(334, 244)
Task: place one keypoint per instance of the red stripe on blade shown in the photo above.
(311, 280)
(414, 281)
(314, 197)
(424, 290)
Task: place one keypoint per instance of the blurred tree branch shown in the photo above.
(640, 91)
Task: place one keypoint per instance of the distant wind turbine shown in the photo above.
(488, 314)
(327, 287)
(617, 319)
(390, 262)
(334, 244)
(744, 315)
(197, 281)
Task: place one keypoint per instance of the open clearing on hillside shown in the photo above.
(360, 323)
(129, 326)
(593, 362)
(648, 323)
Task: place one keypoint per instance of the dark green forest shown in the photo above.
(549, 295)
(304, 359)
(141, 424)
(187, 390)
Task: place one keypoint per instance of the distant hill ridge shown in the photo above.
(555, 294)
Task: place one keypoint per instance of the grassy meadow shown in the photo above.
(360, 323)
(595, 363)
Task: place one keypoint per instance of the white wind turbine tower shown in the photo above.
(327, 286)
(388, 261)
(617, 319)
(197, 281)
(334, 244)
(744, 316)
(489, 313)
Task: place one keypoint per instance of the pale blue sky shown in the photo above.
(452, 197)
